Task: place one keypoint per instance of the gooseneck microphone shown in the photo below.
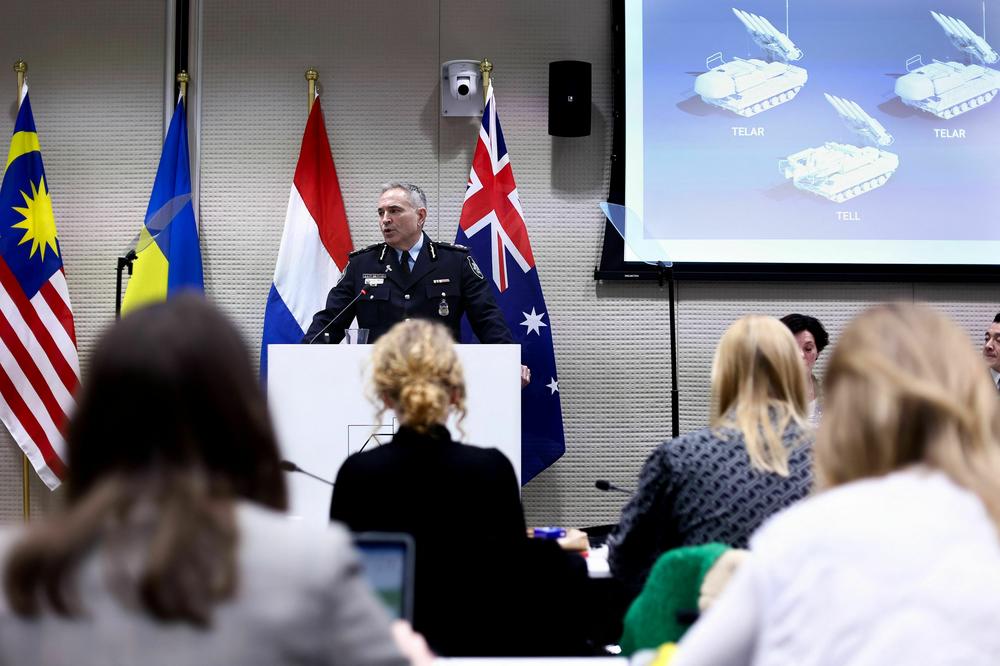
(336, 317)
(289, 466)
(607, 486)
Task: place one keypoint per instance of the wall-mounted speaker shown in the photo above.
(569, 98)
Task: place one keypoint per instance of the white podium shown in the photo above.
(320, 400)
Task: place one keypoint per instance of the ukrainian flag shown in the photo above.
(169, 258)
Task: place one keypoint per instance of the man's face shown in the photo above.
(991, 348)
(401, 224)
(807, 345)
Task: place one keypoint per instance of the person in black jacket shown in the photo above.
(482, 587)
(410, 276)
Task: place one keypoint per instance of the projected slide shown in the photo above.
(859, 132)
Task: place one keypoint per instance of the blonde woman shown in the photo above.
(720, 483)
(460, 503)
(897, 559)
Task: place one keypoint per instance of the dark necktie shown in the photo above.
(404, 264)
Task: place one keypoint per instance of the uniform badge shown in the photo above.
(373, 279)
(443, 309)
(475, 268)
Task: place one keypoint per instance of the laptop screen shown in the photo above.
(387, 560)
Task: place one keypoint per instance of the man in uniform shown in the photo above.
(410, 275)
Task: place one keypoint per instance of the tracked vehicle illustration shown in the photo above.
(839, 171)
(748, 86)
(949, 89)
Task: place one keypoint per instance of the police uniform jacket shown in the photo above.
(443, 284)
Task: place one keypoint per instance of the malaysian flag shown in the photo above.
(492, 226)
(39, 369)
(314, 244)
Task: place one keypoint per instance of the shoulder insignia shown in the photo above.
(451, 246)
(364, 249)
(475, 267)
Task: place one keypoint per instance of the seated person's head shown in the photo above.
(170, 427)
(416, 373)
(809, 334)
(758, 387)
(904, 387)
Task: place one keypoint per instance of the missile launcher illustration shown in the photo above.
(949, 89)
(747, 86)
(838, 171)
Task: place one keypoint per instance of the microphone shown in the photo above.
(289, 466)
(330, 323)
(607, 486)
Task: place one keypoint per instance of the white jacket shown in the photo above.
(903, 569)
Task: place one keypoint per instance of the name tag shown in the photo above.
(442, 281)
(373, 279)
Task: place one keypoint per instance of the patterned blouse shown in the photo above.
(698, 488)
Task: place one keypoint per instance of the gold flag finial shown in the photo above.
(486, 67)
(312, 76)
(21, 68)
(183, 78)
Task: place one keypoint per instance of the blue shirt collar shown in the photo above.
(413, 251)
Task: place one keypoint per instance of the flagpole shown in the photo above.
(311, 76)
(486, 67)
(21, 69)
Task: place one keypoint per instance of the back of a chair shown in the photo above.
(668, 603)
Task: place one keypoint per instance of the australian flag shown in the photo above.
(492, 226)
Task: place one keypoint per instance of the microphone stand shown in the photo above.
(123, 263)
(289, 466)
(323, 330)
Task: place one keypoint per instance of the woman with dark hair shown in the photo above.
(171, 548)
(812, 339)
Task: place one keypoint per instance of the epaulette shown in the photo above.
(451, 246)
(364, 249)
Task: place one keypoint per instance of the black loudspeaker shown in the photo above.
(569, 98)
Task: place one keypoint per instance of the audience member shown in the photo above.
(991, 350)
(897, 559)
(172, 548)
(720, 483)
(812, 339)
(482, 587)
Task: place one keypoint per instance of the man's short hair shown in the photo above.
(996, 320)
(416, 195)
(799, 322)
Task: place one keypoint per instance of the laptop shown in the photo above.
(387, 559)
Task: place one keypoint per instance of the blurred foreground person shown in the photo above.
(482, 587)
(172, 548)
(897, 559)
(720, 483)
